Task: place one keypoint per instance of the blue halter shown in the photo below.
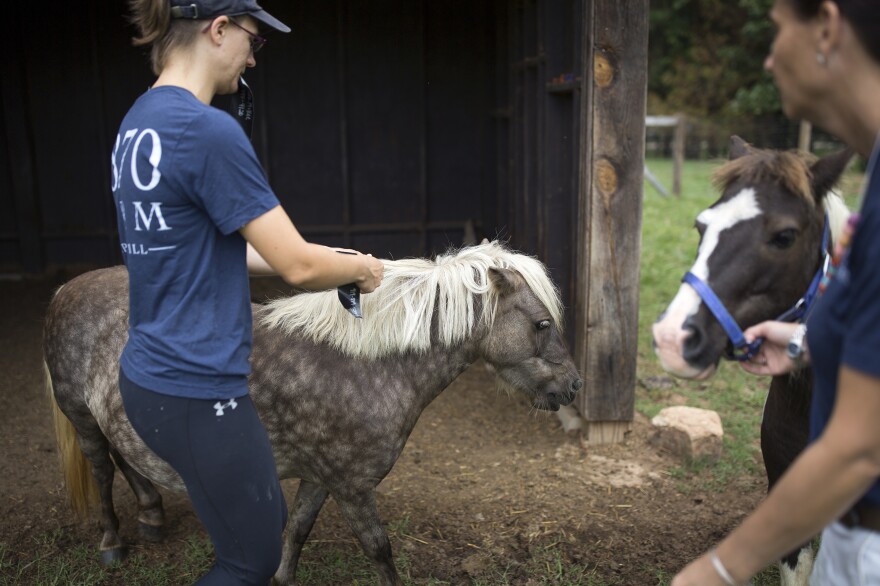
(743, 350)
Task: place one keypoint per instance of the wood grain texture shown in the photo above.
(610, 208)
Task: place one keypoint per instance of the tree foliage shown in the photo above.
(706, 57)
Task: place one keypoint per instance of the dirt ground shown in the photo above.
(484, 482)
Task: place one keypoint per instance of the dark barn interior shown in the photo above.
(386, 126)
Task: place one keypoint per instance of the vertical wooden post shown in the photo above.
(610, 213)
(805, 135)
(678, 143)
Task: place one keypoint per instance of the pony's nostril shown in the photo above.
(693, 344)
(577, 385)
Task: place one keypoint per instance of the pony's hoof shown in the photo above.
(150, 533)
(112, 556)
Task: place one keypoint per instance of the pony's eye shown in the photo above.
(783, 239)
(543, 324)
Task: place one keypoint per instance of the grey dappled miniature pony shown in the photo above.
(760, 247)
(338, 396)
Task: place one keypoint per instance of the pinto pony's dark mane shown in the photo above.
(791, 170)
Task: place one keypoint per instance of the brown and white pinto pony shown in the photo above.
(760, 248)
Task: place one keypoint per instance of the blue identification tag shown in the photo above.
(350, 295)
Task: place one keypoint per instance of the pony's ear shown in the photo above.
(826, 171)
(485, 241)
(503, 279)
(738, 147)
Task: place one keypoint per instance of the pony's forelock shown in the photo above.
(791, 169)
(414, 293)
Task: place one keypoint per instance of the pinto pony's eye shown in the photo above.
(543, 324)
(783, 239)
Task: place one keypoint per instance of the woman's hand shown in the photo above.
(771, 359)
(375, 270)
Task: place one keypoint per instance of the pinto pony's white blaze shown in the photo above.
(669, 335)
(398, 315)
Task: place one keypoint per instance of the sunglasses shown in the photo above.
(257, 41)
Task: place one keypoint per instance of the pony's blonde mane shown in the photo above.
(414, 292)
(791, 169)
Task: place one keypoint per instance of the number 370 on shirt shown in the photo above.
(121, 153)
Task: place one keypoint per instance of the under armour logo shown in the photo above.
(220, 406)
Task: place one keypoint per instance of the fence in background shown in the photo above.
(709, 138)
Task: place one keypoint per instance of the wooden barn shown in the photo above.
(396, 127)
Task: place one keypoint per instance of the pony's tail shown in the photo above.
(82, 490)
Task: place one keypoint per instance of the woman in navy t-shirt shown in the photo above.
(195, 215)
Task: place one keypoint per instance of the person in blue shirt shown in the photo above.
(195, 215)
(826, 63)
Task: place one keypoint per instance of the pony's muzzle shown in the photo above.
(683, 348)
(558, 398)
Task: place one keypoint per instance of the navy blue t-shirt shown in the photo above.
(844, 328)
(185, 179)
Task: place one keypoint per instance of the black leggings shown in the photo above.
(222, 453)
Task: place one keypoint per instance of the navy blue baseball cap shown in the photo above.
(207, 9)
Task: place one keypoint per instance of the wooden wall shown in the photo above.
(373, 124)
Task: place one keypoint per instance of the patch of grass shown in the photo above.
(547, 567)
(53, 563)
(52, 559)
(335, 563)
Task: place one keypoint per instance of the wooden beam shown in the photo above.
(678, 142)
(805, 136)
(607, 432)
(610, 209)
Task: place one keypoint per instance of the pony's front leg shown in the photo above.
(309, 499)
(360, 511)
